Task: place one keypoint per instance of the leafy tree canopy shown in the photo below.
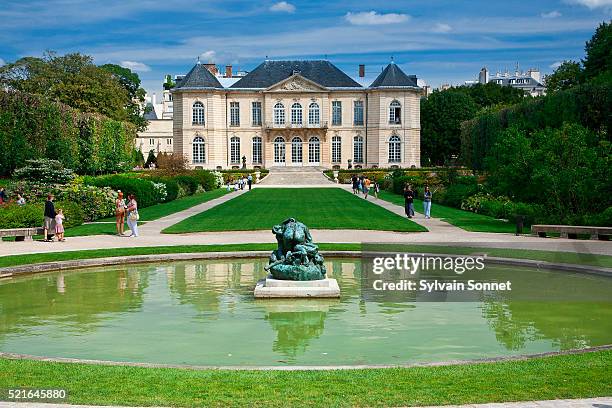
(598, 58)
(567, 75)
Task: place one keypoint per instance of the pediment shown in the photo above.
(296, 83)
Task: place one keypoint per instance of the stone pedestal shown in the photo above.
(275, 288)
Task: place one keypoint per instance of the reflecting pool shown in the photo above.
(203, 313)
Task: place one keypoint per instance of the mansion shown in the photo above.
(296, 113)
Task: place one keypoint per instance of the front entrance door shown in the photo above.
(296, 151)
(279, 151)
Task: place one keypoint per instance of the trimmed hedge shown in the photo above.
(188, 183)
(32, 127)
(145, 191)
(32, 215)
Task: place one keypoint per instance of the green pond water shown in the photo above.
(204, 313)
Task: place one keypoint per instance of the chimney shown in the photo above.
(228, 71)
(361, 70)
(212, 68)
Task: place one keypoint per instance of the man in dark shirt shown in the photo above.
(49, 223)
(2, 195)
(409, 201)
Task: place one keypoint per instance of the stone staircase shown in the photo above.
(296, 177)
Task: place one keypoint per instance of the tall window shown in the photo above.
(395, 113)
(296, 150)
(279, 114)
(199, 152)
(256, 113)
(336, 113)
(313, 114)
(314, 150)
(234, 114)
(336, 149)
(279, 150)
(395, 149)
(358, 149)
(358, 113)
(235, 150)
(296, 114)
(257, 150)
(198, 113)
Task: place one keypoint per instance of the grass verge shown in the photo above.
(466, 220)
(548, 256)
(325, 208)
(557, 377)
(151, 213)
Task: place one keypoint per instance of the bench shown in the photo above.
(21, 234)
(572, 231)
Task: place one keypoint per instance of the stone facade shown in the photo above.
(216, 126)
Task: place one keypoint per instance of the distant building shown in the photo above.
(296, 113)
(528, 81)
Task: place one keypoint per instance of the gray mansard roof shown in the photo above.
(271, 72)
(393, 77)
(199, 78)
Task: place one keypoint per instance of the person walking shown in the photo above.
(120, 213)
(427, 202)
(409, 201)
(376, 189)
(132, 215)
(355, 184)
(49, 220)
(250, 181)
(59, 225)
(366, 187)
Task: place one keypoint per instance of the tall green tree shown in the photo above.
(567, 75)
(130, 81)
(72, 79)
(441, 117)
(598, 58)
(490, 94)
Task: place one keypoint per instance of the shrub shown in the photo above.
(72, 212)
(188, 183)
(172, 187)
(44, 171)
(172, 163)
(31, 215)
(145, 192)
(454, 194)
(206, 179)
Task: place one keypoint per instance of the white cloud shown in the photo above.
(208, 56)
(592, 4)
(556, 65)
(283, 6)
(135, 66)
(442, 28)
(373, 18)
(551, 14)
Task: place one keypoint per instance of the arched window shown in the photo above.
(198, 113)
(395, 149)
(235, 150)
(296, 114)
(257, 150)
(336, 149)
(395, 113)
(199, 150)
(279, 114)
(313, 114)
(358, 149)
(314, 150)
(296, 150)
(279, 150)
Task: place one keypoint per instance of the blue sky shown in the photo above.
(441, 41)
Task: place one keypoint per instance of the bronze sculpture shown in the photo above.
(297, 257)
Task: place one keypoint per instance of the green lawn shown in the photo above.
(558, 377)
(466, 220)
(146, 214)
(549, 256)
(323, 208)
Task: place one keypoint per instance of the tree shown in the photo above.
(598, 58)
(72, 79)
(151, 159)
(491, 94)
(130, 81)
(441, 117)
(567, 75)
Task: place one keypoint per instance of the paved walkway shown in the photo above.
(602, 402)
(439, 233)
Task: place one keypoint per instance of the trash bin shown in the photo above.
(520, 220)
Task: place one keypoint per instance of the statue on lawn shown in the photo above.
(297, 257)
